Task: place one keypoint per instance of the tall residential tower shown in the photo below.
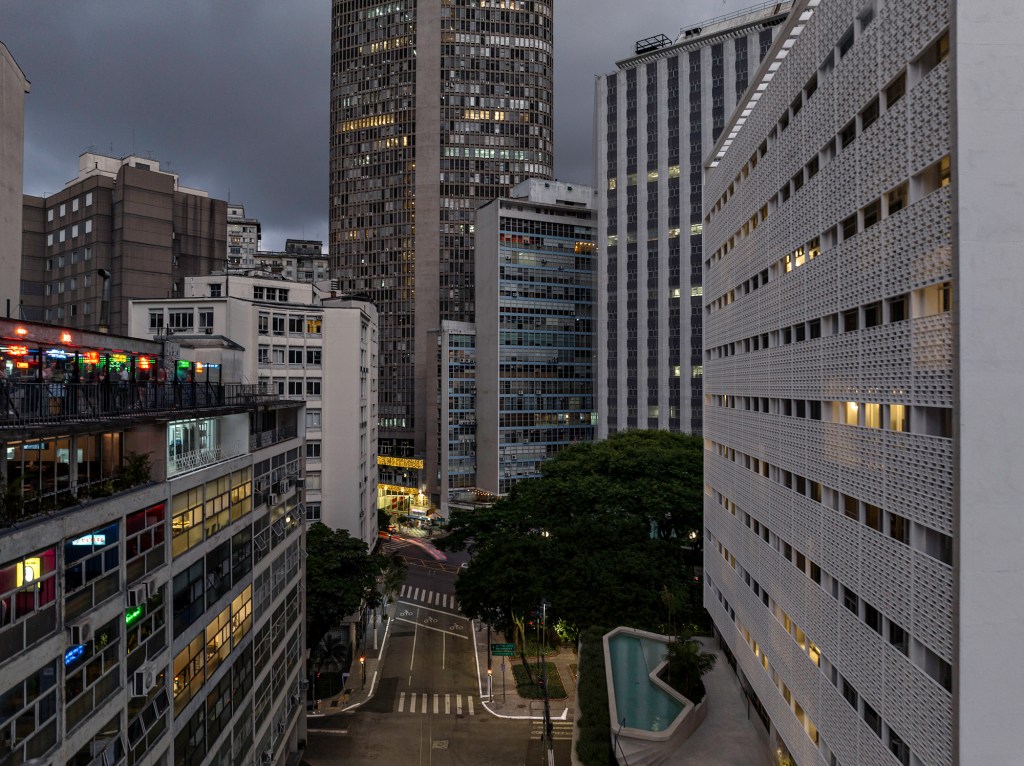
(436, 108)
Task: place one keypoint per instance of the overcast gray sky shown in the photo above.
(234, 93)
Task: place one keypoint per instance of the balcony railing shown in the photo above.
(40, 403)
(261, 439)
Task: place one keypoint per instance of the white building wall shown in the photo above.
(988, 107)
(830, 523)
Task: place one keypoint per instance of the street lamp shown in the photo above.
(362, 668)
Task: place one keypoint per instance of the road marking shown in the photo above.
(428, 627)
(458, 704)
(435, 704)
(447, 704)
(424, 703)
(416, 595)
(469, 699)
(412, 702)
(401, 702)
(401, 593)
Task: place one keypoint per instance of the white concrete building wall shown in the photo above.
(988, 106)
(830, 436)
(13, 87)
(340, 394)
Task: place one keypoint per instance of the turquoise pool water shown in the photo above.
(637, 699)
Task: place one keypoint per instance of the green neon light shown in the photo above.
(133, 615)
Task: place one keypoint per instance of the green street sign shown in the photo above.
(503, 650)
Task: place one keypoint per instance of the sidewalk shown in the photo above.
(357, 692)
(505, 702)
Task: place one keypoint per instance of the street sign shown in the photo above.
(503, 650)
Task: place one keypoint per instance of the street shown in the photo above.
(426, 706)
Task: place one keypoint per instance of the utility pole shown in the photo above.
(548, 727)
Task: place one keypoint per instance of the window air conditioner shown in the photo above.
(81, 632)
(142, 682)
(138, 595)
(272, 499)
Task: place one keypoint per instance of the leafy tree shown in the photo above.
(607, 528)
(686, 665)
(340, 577)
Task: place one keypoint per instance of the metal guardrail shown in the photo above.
(26, 403)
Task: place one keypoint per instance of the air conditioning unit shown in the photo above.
(143, 681)
(261, 485)
(272, 499)
(209, 331)
(283, 486)
(138, 595)
(81, 632)
(268, 755)
(300, 482)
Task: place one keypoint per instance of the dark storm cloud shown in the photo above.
(235, 94)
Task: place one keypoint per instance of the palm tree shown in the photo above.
(686, 665)
(331, 656)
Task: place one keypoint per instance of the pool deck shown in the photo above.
(727, 737)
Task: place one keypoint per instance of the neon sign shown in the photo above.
(17, 350)
(120, 358)
(91, 540)
(74, 653)
(57, 353)
(21, 331)
(133, 615)
(91, 357)
(65, 337)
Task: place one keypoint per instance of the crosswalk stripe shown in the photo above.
(401, 593)
(412, 702)
(435, 704)
(416, 595)
(423, 708)
(401, 702)
(447, 704)
(469, 699)
(458, 705)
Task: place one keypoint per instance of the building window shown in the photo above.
(49, 214)
(294, 388)
(313, 450)
(180, 320)
(312, 388)
(215, 290)
(206, 319)
(278, 324)
(312, 511)
(312, 418)
(313, 357)
(88, 226)
(88, 199)
(263, 323)
(263, 355)
(313, 480)
(63, 210)
(257, 293)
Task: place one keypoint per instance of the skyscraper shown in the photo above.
(655, 120)
(861, 277)
(436, 108)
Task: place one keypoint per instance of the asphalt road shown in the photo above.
(426, 710)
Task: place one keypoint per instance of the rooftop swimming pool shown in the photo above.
(640, 703)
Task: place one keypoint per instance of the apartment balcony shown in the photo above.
(28, 407)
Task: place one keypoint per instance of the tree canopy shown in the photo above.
(607, 529)
(340, 576)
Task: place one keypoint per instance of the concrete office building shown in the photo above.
(304, 347)
(120, 217)
(535, 259)
(302, 260)
(244, 235)
(13, 87)
(454, 426)
(862, 231)
(151, 607)
(445, 106)
(655, 120)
